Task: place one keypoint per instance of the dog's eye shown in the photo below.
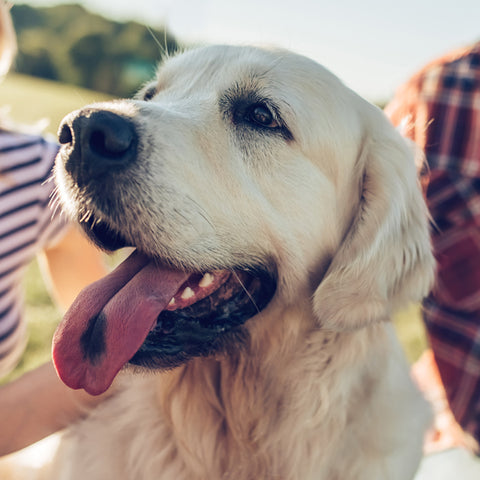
(261, 115)
(149, 93)
(258, 115)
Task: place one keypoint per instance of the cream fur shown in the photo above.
(321, 391)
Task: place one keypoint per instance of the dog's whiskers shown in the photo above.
(49, 179)
(87, 216)
(245, 290)
(55, 203)
(164, 52)
(201, 211)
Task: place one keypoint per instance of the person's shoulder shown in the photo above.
(18, 146)
(11, 139)
(455, 62)
(457, 70)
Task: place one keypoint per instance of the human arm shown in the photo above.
(37, 405)
(71, 264)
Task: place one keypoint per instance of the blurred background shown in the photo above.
(71, 54)
(371, 45)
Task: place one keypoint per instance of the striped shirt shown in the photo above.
(443, 105)
(27, 226)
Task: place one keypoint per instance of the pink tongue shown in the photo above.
(109, 320)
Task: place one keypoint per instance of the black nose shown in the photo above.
(98, 142)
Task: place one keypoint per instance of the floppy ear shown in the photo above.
(385, 259)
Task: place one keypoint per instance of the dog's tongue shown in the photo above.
(109, 320)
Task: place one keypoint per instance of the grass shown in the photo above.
(411, 331)
(33, 99)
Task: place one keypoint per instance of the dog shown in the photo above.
(277, 222)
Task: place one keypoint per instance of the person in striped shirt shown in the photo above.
(38, 403)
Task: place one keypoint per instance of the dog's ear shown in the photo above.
(385, 259)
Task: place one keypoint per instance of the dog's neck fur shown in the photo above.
(245, 397)
(274, 410)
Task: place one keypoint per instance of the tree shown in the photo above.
(69, 44)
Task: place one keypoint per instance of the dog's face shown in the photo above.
(243, 171)
(218, 144)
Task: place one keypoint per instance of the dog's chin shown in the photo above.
(102, 235)
(211, 325)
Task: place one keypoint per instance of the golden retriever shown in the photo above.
(278, 223)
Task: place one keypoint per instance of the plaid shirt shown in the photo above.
(441, 105)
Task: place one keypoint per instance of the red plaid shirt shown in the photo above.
(441, 104)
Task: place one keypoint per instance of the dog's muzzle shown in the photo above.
(98, 142)
(148, 312)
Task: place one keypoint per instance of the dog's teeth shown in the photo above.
(206, 280)
(187, 293)
(171, 303)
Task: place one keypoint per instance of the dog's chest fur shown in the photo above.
(258, 415)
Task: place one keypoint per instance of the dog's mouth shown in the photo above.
(196, 322)
(148, 314)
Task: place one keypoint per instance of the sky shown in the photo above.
(372, 45)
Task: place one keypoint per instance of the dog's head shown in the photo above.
(243, 177)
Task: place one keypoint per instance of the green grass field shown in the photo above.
(30, 101)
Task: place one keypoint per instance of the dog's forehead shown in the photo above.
(219, 67)
(300, 89)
